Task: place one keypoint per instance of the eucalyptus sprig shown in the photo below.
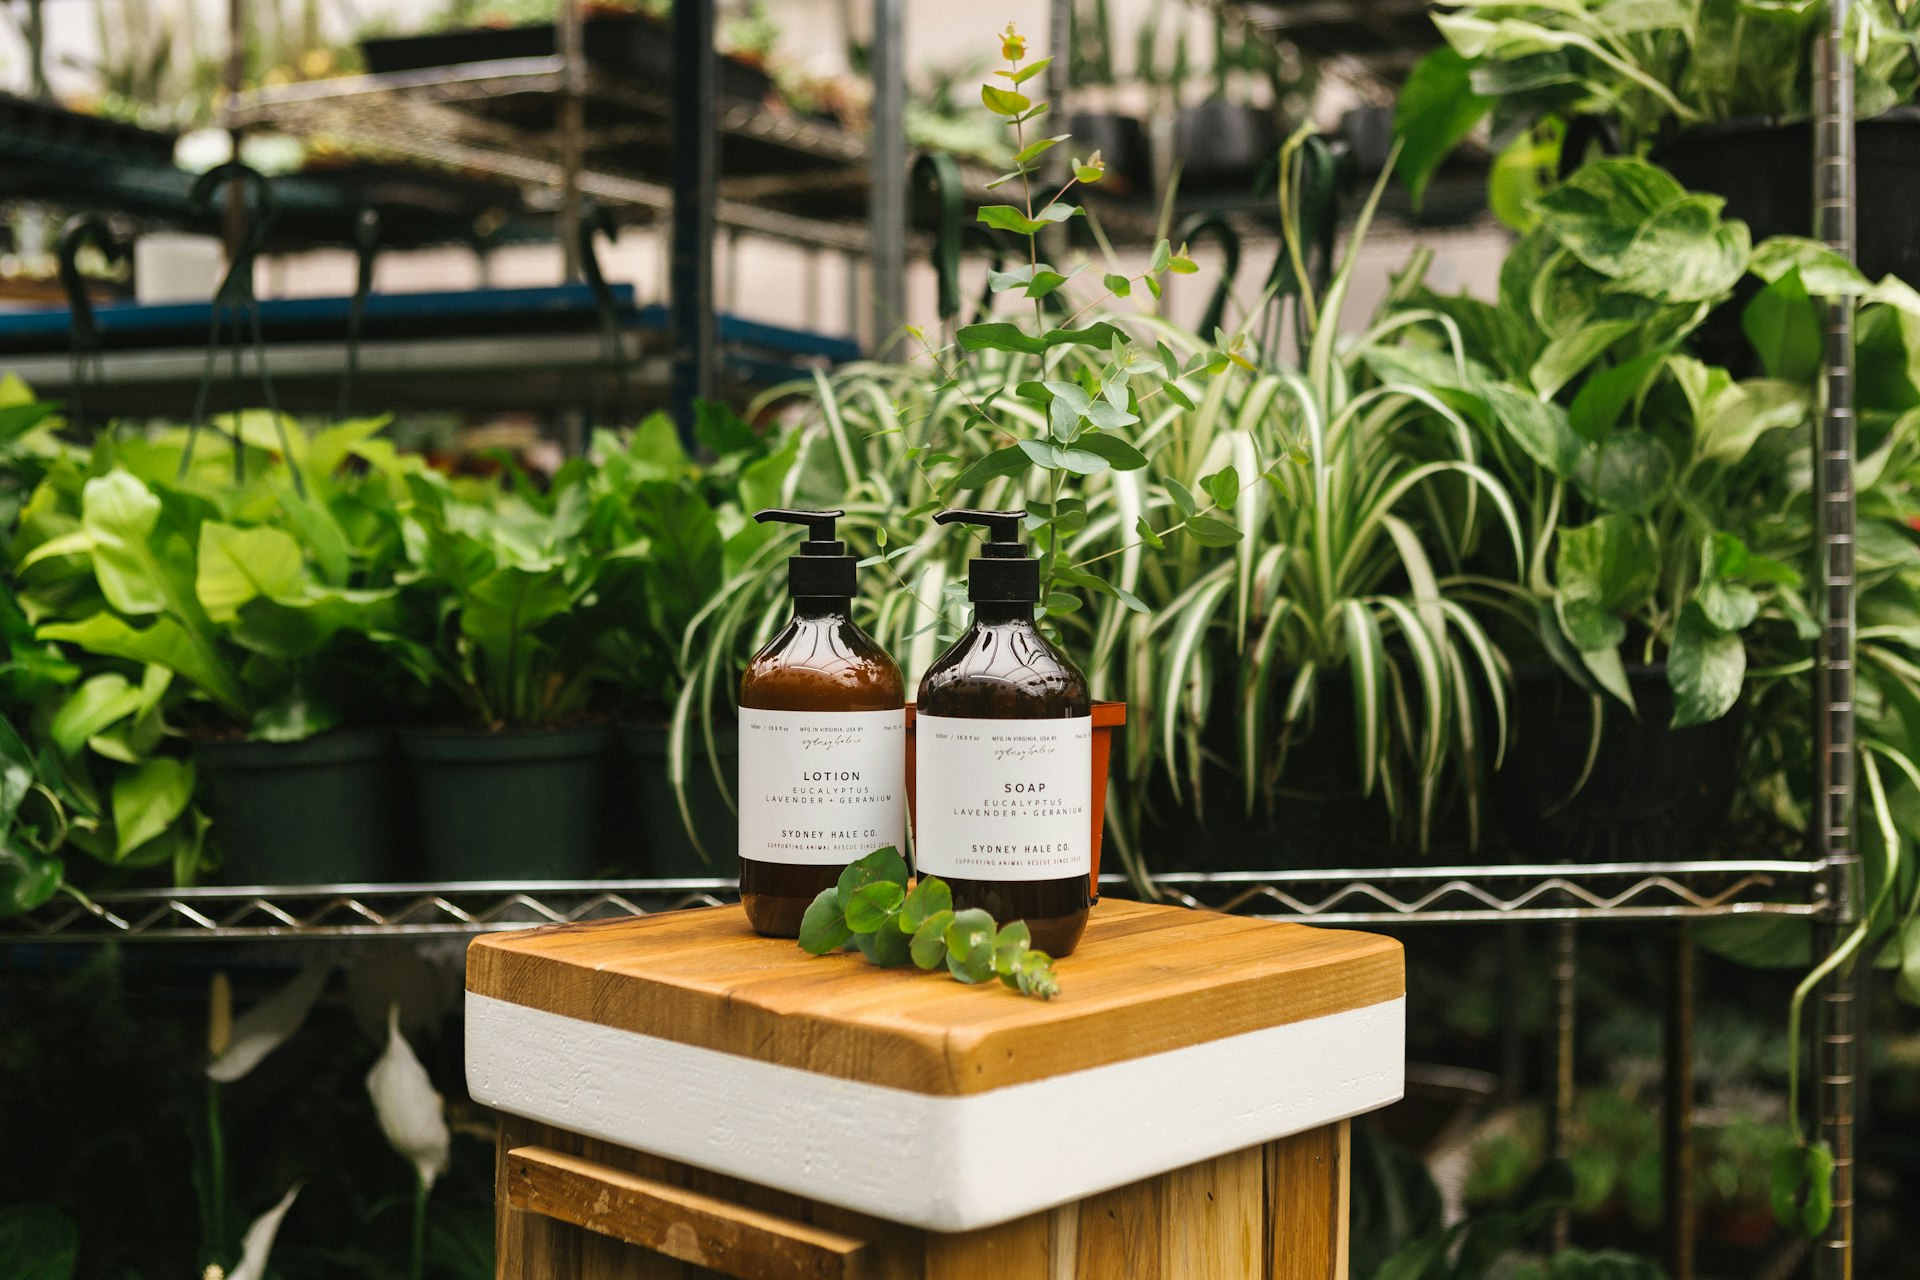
(874, 910)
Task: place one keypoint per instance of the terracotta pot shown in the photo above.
(1107, 716)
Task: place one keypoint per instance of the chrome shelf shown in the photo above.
(1403, 895)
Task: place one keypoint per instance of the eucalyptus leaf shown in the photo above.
(823, 927)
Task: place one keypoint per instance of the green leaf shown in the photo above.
(886, 948)
(930, 897)
(165, 643)
(1010, 947)
(1006, 217)
(1784, 326)
(1118, 285)
(1000, 335)
(1004, 102)
(1059, 212)
(1802, 1188)
(1610, 563)
(238, 565)
(147, 799)
(929, 945)
(1001, 462)
(1121, 455)
(873, 906)
(37, 1242)
(1028, 72)
(1685, 253)
(89, 709)
(1437, 110)
(120, 514)
(1599, 211)
(1604, 397)
(1706, 667)
(880, 865)
(1209, 532)
(824, 926)
(1628, 472)
(1539, 427)
(1742, 413)
(970, 939)
(1034, 150)
(1095, 335)
(1728, 603)
(1223, 486)
(1182, 498)
(1147, 535)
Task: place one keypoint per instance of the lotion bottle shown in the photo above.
(1003, 753)
(822, 740)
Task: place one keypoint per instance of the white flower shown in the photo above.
(412, 1114)
(259, 1239)
(265, 1027)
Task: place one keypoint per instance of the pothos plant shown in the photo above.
(876, 910)
(1647, 66)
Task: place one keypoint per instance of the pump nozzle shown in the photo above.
(819, 525)
(823, 568)
(1003, 530)
(1004, 572)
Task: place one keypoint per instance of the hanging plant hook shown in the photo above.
(234, 300)
(84, 343)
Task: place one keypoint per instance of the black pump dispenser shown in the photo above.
(1003, 571)
(823, 567)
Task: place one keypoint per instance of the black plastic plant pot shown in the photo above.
(1220, 146)
(1122, 144)
(1654, 791)
(652, 811)
(518, 805)
(631, 44)
(321, 811)
(1764, 171)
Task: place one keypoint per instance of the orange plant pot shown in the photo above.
(1107, 716)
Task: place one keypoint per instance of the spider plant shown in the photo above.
(1351, 569)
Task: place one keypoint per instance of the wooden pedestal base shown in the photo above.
(575, 1208)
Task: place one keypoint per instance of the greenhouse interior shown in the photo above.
(1081, 640)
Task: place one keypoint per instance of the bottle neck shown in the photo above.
(989, 612)
(822, 606)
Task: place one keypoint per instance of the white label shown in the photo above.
(821, 787)
(1003, 799)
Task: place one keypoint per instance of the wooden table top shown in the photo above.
(1145, 979)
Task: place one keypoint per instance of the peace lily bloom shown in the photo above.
(412, 1113)
(258, 1243)
(237, 1045)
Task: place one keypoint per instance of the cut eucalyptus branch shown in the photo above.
(875, 910)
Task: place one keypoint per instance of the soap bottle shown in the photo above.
(823, 728)
(1003, 754)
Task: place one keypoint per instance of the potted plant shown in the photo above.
(627, 37)
(685, 537)
(1720, 94)
(1120, 139)
(233, 613)
(1222, 143)
(500, 624)
(1639, 467)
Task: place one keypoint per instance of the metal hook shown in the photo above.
(235, 297)
(598, 218)
(935, 190)
(80, 231)
(1199, 226)
(366, 247)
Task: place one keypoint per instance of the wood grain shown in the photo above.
(1145, 979)
(1276, 1211)
(1308, 1183)
(724, 1236)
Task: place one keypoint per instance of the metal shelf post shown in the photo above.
(1836, 1050)
(695, 188)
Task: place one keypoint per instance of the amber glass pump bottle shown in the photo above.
(822, 740)
(1003, 753)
